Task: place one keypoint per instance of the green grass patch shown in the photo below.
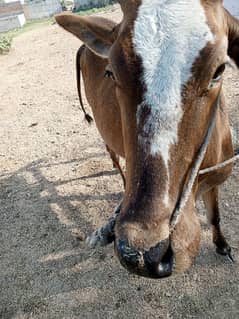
(94, 10)
(5, 44)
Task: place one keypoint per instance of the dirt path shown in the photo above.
(57, 184)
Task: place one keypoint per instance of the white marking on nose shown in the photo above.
(168, 37)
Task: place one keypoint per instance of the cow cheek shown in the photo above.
(185, 240)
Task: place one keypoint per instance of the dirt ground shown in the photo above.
(57, 184)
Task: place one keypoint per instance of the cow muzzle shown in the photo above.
(157, 262)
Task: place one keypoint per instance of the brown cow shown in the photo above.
(114, 157)
(166, 60)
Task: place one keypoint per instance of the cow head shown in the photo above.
(167, 59)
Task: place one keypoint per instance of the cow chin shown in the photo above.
(185, 241)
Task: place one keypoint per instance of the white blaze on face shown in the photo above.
(168, 37)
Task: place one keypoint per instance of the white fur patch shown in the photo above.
(168, 37)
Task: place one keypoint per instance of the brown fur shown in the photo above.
(114, 157)
(144, 219)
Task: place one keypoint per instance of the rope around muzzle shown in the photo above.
(105, 234)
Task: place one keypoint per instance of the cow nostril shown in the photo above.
(129, 257)
(159, 260)
(165, 267)
(155, 254)
(154, 263)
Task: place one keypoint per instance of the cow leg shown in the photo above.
(116, 163)
(211, 203)
(105, 234)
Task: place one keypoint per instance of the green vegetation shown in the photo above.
(93, 10)
(5, 44)
(7, 37)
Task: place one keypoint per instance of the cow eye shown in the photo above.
(109, 73)
(218, 74)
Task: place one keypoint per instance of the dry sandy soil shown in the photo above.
(57, 184)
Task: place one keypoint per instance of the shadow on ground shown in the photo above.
(48, 272)
(43, 226)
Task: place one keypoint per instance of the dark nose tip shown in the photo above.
(157, 262)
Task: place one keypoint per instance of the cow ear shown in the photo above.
(233, 37)
(97, 33)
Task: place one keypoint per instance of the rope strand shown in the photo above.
(219, 166)
(195, 169)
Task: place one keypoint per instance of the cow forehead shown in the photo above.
(168, 37)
